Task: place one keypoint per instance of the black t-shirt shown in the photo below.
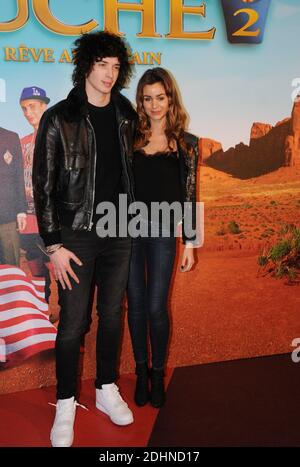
(157, 178)
(108, 164)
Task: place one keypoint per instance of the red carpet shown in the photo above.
(240, 403)
(247, 402)
(26, 419)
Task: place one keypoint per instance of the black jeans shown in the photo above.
(150, 273)
(105, 261)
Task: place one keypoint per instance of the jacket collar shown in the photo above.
(76, 105)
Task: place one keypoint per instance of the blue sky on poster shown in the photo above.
(224, 87)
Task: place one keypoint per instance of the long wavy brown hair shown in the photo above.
(176, 117)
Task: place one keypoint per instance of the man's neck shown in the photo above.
(97, 98)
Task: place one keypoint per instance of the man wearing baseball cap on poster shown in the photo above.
(33, 101)
(12, 196)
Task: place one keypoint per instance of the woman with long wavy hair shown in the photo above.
(164, 169)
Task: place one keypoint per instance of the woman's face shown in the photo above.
(155, 101)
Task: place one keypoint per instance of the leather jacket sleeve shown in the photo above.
(44, 179)
(191, 192)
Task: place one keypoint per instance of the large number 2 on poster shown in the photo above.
(245, 20)
(253, 18)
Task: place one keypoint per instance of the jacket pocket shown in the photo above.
(72, 186)
(74, 161)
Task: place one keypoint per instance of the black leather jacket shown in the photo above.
(188, 175)
(64, 165)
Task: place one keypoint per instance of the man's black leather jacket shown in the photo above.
(64, 165)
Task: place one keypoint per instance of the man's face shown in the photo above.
(103, 75)
(33, 110)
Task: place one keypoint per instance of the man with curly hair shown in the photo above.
(82, 158)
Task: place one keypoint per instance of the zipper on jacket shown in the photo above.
(95, 162)
(125, 163)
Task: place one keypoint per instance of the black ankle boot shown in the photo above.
(142, 393)
(158, 395)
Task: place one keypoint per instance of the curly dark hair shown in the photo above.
(92, 47)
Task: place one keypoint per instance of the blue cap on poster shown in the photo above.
(34, 92)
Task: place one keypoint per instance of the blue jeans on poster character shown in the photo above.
(247, 26)
(37, 261)
(150, 273)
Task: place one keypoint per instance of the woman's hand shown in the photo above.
(60, 260)
(188, 259)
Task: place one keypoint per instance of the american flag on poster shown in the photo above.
(25, 328)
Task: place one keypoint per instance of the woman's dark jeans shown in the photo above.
(105, 260)
(150, 273)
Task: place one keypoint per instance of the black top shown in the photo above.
(157, 177)
(108, 164)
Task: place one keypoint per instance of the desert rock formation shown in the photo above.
(270, 148)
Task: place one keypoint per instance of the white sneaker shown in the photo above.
(62, 433)
(109, 401)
